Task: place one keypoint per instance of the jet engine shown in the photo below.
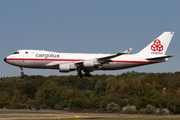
(66, 67)
(90, 63)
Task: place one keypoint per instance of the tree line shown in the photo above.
(161, 90)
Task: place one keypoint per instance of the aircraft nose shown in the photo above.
(5, 59)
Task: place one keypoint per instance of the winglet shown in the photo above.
(128, 50)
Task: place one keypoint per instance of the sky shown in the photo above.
(87, 26)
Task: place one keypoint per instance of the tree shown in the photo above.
(142, 111)
(150, 109)
(130, 110)
(148, 87)
(175, 106)
(29, 89)
(112, 107)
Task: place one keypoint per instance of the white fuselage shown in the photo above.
(39, 59)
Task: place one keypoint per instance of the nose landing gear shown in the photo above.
(22, 73)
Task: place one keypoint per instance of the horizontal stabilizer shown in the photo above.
(160, 57)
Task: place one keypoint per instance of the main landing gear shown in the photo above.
(80, 74)
(87, 74)
(22, 73)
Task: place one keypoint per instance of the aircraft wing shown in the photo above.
(107, 58)
(160, 57)
(100, 60)
(104, 59)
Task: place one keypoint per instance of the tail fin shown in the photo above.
(159, 45)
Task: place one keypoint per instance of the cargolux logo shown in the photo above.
(48, 55)
(157, 46)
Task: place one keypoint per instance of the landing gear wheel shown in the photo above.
(87, 74)
(22, 73)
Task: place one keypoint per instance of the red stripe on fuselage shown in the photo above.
(75, 60)
(132, 61)
(43, 59)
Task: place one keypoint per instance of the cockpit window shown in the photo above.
(16, 52)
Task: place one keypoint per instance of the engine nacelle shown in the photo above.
(90, 63)
(66, 67)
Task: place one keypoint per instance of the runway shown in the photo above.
(28, 110)
(8, 114)
(23, 116)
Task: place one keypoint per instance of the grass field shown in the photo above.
(83, 116)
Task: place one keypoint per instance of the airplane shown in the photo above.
(66, 62)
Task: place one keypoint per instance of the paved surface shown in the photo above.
(21, 116)
(42, 110)
(29, 115)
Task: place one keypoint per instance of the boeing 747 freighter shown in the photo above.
(86, 63)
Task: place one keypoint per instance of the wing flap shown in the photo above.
(52, 63)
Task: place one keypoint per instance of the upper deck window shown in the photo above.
(16, 52)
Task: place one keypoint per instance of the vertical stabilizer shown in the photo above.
(159, 45)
